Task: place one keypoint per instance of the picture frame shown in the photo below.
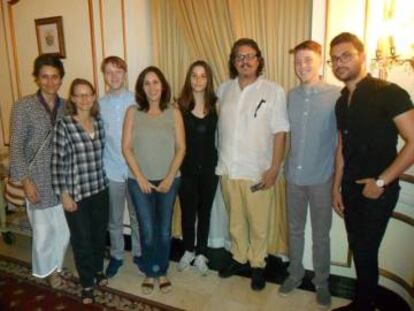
(50, 38)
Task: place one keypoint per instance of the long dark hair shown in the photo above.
(71, 106)
(140, 96)
(186, 99)
(235, 49)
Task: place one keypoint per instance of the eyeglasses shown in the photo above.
(245, 57)
(344, 58)
(83, 96)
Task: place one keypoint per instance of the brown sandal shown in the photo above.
(165, 285)
(147, 286)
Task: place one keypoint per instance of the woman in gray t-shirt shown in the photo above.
(153, 144)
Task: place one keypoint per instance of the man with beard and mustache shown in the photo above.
(370, 113)
(252, 128)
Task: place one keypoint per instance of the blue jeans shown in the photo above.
(154, 214)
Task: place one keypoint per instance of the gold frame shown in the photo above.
(54, 40)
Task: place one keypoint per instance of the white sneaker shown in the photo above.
(185, 261)
(201, 264)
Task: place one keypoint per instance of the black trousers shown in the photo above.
(366, 221)
(196, 195)
(87, 227)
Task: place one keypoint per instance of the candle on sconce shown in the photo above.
(391, 45)
(378, 54)
(380, 48)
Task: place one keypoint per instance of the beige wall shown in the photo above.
(93, 29)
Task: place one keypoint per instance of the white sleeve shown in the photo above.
(279, 120)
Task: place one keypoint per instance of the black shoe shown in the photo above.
(258, 281)
(233, 268)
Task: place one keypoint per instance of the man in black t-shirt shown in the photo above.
(370, 113)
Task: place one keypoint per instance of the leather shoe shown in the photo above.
(258, 281)
(233, 268)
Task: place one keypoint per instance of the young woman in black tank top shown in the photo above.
(199, 181)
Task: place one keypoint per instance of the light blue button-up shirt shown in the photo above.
(313, 133)
(113, 108)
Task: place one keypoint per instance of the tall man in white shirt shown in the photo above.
(113, 107)
(252, 128)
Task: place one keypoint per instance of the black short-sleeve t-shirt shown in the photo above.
(369, 134)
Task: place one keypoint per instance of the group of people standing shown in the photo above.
(79, 166)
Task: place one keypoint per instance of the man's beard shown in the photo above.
(350, 74)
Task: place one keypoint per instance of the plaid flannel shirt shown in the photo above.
(77, 164)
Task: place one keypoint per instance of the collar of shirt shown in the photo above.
(119, 96)
(122, 92)
(314, 89)
(256, 84)
(367, 80)
(52, 112)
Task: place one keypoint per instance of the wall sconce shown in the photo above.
(386, 57)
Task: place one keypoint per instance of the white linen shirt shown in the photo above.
(248, 120)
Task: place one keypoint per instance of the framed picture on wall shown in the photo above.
(49, 33)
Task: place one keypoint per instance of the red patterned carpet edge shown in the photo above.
(19, 290)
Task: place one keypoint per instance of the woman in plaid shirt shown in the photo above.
(79, 180)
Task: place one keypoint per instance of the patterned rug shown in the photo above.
(20, 291)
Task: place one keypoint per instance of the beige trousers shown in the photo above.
(249, 218)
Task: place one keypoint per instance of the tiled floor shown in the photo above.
(194, 292)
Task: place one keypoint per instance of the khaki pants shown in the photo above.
(249, 217)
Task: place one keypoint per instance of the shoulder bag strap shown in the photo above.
(39, 149)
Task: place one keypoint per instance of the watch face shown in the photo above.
(379, 183)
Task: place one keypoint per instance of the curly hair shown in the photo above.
(234, 50)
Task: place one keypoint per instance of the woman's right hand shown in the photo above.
(30, 191)
(145, 185)
(68, 203)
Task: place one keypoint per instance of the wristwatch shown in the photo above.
(380, 183)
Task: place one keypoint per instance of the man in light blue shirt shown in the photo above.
(113, 107)
(309, 169)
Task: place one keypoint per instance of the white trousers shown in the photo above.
(50, 239)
